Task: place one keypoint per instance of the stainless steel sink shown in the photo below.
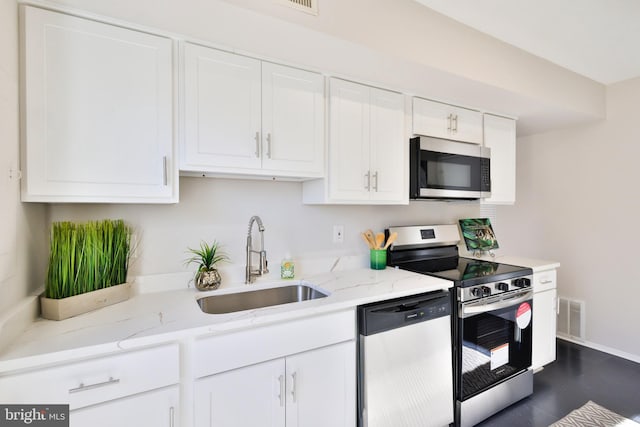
(239, 301)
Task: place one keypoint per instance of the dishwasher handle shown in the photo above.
(401, 308)
(386, 315)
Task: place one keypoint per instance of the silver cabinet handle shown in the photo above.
(282, 384)
(367, 185)
(269, 145)
(455, 123)
(85, 387)
(293, 387)
(545, 282)
(171, 417)
(165, 171)
(450, 121)
(257, 144)
(375, 177)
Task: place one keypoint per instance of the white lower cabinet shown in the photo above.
(314, 388)
(157, 408)
(134, 388)
(545, 303)
(296, 373)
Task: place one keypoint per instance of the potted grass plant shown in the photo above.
(206, 257)
(88, 265)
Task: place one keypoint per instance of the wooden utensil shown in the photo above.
(364, 236)
(392, 238)
(379, 240)
(371, 238)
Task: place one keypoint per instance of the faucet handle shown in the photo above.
(263, 262)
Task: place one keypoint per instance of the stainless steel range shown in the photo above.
(491, 322)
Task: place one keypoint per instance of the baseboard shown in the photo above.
(603, 348)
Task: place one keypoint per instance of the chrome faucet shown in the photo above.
(251, 274)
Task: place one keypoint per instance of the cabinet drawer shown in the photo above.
(544, 280)
(97, 380)
(233, 350)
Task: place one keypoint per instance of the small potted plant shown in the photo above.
(206, 257)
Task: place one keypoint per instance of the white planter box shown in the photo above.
(59, 309)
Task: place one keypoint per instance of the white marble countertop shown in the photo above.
(536, 265)
(155, 318)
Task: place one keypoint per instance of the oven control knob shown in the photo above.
(502, 286)
(522, 282)
(476, 292)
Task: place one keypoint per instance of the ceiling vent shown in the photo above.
(308, 6)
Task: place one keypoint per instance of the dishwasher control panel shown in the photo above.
(390, 314)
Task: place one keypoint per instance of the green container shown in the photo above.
(378, 259)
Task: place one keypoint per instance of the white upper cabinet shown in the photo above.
(368, 148)
(97, 112)
(222, 110)
(440, 120)
(349, 143)
(500, 136)
(249, 117)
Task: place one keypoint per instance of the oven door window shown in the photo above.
(445, 171)
(495, 345)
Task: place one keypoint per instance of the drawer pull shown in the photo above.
(545, 282)
(83, 387)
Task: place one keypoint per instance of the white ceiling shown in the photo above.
(599, 39)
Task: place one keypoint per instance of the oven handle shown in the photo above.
(476, 308)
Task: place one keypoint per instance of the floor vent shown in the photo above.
(309, 6)
(571, 318)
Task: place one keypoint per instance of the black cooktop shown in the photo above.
(466, 271)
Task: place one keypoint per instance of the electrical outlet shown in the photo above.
(338, 234)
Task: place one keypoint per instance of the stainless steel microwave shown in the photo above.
(444, 169)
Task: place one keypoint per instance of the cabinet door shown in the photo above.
(388, 147)
(431, 118)
(440, 120)
(250, 396)
(544, 328)
(155, 408)
(500, 136)
(98, 112)
(467, 125)
(292, 120)
(222, 110)
(349, 176)
(321, 389)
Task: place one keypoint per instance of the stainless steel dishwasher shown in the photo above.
(404, 362)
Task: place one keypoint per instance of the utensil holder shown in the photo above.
(378, 259)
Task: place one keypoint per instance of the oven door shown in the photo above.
(494, 341)
(447, 169)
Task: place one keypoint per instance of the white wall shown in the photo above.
(578, 202)
(23, 238)
(220, 209)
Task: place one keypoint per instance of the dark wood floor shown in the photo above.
(578, 375)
